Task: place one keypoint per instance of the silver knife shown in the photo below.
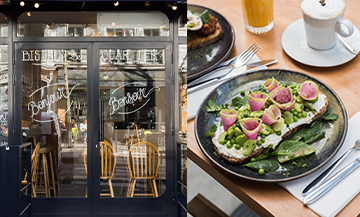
(213, 80)
(331, 182)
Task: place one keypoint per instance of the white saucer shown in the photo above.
(293, 41)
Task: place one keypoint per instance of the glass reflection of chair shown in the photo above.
(34, 166)
(143, 164)
(107, 163)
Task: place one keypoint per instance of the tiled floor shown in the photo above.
(201, 182)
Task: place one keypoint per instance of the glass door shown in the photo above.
(136, 148)
(101, 122)
(52, 103)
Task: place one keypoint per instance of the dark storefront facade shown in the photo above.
(93, 100)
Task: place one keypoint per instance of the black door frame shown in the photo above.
(161, 206)
(9, 186)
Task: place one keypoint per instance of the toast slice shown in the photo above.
(198, 41)
(255, 153)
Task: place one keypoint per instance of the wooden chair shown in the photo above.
(34, 166)
(143, 164)
(108, 164)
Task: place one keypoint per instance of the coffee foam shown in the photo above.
(316, 10)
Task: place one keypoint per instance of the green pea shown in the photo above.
(296, 119)
(299, 115)
(295, 113)
(229, 146)
(304, 114)
(307, 109)
(261, 172)
(263, 136)
(242, 92)
(237, 147)
(259, 142)
(232, 141)
(292, 86)
(292, 110)
(252, 159)
(262, 140)
(278, 133)
(236, 108)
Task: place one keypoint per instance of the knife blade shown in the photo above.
(220, 71)
(214, 79)
(331, 182)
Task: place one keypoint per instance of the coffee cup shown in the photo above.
(323, 22)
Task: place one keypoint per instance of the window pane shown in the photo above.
(132, 85)
(92, 24)
(54, 106)
(4, 26)
(182, 24)
(4, 97)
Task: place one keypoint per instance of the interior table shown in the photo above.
(271, 199)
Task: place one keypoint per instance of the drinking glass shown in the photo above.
(258, 15)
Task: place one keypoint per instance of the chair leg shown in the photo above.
(155, 188)
(133, 189)
(128, 193)
(111, 188)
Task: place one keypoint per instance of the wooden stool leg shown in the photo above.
(52, 174)
(111, 188)
(46, 176)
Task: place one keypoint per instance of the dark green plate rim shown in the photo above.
(213, 159)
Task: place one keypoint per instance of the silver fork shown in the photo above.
(241, 60)
(322, 178)
(234, 59)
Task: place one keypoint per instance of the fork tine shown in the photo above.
(247, 56)
(243, 53)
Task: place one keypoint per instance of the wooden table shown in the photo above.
(271, 199)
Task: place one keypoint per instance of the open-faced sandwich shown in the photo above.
(202, 30)
(276, 119)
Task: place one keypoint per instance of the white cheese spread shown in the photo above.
(272, 139)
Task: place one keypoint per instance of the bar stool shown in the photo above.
(44, 152)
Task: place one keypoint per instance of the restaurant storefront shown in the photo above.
(93, 100)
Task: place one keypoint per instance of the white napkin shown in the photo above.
(195, 98)
(336, 199)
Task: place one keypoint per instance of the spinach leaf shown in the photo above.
(212, 130)
(204, 16)
(290, 150)
(212, 107)
(329, 116)
(308, 132)
(238, 101)
(267, 165)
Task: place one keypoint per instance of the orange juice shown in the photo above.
(258, 15)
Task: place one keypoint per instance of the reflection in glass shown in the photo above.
(54, 120)
(4, 95)
(4, 26)
(132, 85)
(92, 24)
(182, 25)
(182, 70)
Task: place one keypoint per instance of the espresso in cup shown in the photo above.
(323, 22)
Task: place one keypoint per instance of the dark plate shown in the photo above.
(203, 60)
(326, 148)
